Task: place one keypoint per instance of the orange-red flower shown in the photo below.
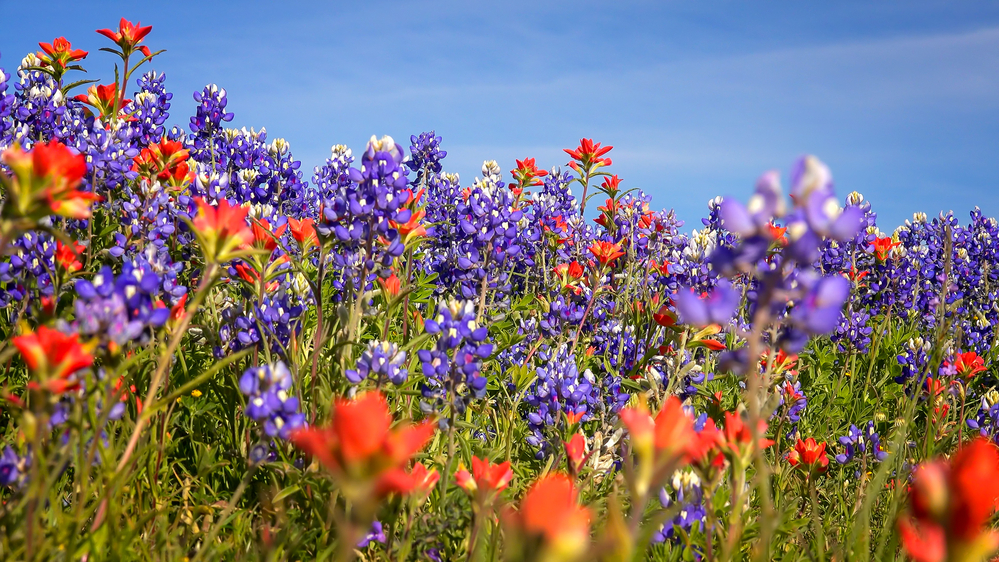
(128, 36)
(575, 451)
(670, 432)
(882, 246)
(104, 98)
(304, 232)
(419, 481)
(68, 257)
(221, 230)
(413, 228)
(969, 364)
(569, 275)
(588, 156)
(951, 502)
(809, 454)
(263, 236)
(611, 184)
(527, 173)
(606, 252)
(166, 162)
(44, 182)
(58, 54)
(391, 286)
(53, 357)
(550, 510)
(778, 233)
(360, 447)
(737, 435)
(485, 476)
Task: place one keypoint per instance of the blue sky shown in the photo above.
(901, 99)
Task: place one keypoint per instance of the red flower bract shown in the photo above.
(809, 454)
(53, 357)
(128, 35)
(549, 509)
(359, 446)
(485, 476)
(606, 252)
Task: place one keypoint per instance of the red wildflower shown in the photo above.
(856, 276)
(671, 433)
(572, 418)
(569, 276)
(128, 36)
(360, 448)
(304, 232)
(178, 310)
(391, 285)
(607, 213)
(44, 182)
(419, 481)
(221, 230)
(737, 434)
(664, 317)
(527, 173)
(575, 450)
(809, 455)
(485, 476)
(778, 233)
(166, 162)
(104, 98)
(413, 228)
(606, 252)
(58, 54)
(550, 509)
(68, 257)
(263, 236)
(951, 502)
(884, 245)
(588, 155)
(53, 357)
(611, 185)
(969, 364)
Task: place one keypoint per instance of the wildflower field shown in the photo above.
(207, 355)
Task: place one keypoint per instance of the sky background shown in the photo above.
(900, 99)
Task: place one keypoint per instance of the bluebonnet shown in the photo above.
(150, 108)
(120, 309)
(12, 467)
(559, 388)
(425, 154)
(376, 534)
(453, 368)
(861, 443)
(689, 495)
(381, 361)
(6, 108)
(269, 401)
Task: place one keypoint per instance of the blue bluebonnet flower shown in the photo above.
(986, 419)
(376, 534)
(559, 388)
(150, 108)
(12, 468)
(453, 368)
(269, 401)
(6, 108)
(716, 308)
(121, 308)
(861, 443)
(687, 492)
(425, 154)
(382, 361)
